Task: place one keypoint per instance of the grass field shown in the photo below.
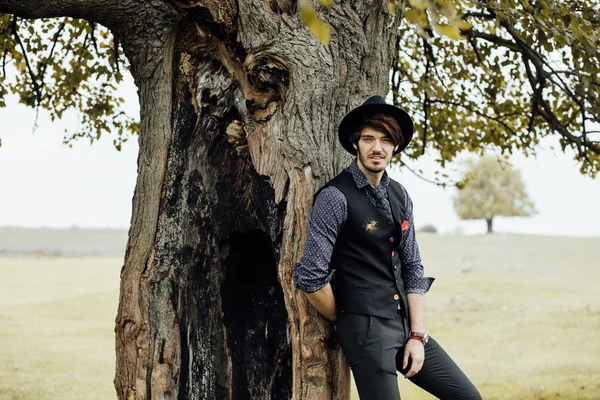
(57, 327)
(519, 314)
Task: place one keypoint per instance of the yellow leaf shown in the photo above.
(326, 3)
(463, 25)
(320, 29)
(392, 7)
(574, 24)
(447, 10)
(414, 16)
(448, 30)
(419, 4)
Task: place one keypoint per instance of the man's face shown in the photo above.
(374, 150)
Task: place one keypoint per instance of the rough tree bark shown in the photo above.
(239, 113)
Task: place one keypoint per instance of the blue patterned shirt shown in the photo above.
(325, 221)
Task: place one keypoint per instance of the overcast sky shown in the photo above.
(44, 183)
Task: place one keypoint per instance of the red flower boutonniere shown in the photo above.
(404, 225)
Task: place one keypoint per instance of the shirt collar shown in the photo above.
(361, 180)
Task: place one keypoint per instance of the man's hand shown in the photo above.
(415, 350)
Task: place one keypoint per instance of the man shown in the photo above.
(361, 234)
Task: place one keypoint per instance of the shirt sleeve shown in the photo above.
(325, 220)
(412, 269)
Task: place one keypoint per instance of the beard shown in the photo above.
(369, 165)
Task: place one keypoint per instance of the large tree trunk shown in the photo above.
(239, 129)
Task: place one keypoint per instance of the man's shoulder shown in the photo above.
(329, 195)
(333, 191)
(340, 182)
(344, 176)
(330, 191)
(330, 205)
(400, 189)
(398, 185)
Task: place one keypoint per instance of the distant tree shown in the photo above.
(428, 229)
(493, 188)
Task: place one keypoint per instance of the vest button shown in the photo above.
(392, 239)
(394, 267)
(396, 297)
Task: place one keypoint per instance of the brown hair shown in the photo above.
(382, 122)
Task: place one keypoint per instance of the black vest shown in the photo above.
(366, 256)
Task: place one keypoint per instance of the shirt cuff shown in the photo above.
(420, 285)
(310, 285)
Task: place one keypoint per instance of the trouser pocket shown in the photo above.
(354, 331)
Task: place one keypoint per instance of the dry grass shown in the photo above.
(57, 327)
(519, 314)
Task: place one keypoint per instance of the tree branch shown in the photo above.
(4, 61)
(32, 74)
(540, 105)
(116, 15)
(429, 56)
(473, 44)
(475, 111)
(479, 15)
(543, 107)
(496, 40)
(537, 92)
(102, 10)
(54, 41)
(395, 79)
(5, 49)
(442, 184)
(141, 26)
(116, 52)
(94, 43)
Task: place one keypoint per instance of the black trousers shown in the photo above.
(374, 349)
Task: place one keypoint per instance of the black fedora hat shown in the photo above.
(374, 105)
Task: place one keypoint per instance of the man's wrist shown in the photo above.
(423, 337)
(417, 339)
